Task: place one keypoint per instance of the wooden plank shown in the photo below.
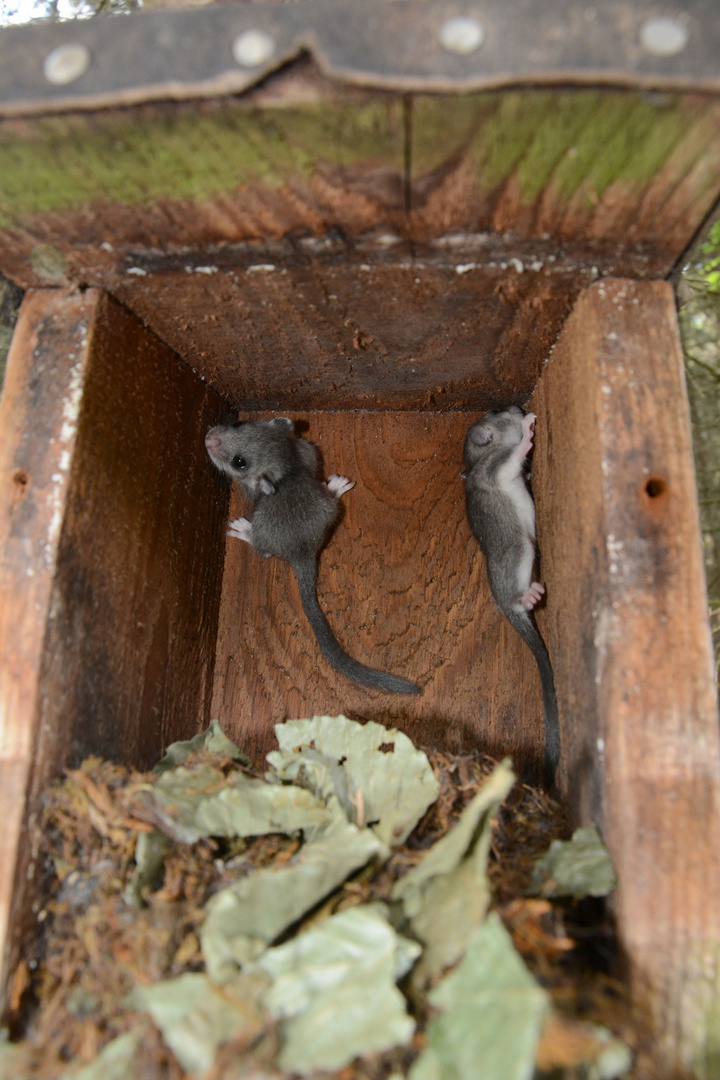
(626, 621)
(113, 556)
(143, 522)
(480, 216)
(592, 168)
(352, 331)
(610, 173)
(298, 157)
(403, 584)
(39, 411)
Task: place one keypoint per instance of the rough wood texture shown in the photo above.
(403, 584)
(38, 420)
(481, 216)
(112, 558)
(615, 172)
(137, 582)
(626, 620)
(347, 333)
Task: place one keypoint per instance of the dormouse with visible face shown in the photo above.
(293, 511)
(502, 516)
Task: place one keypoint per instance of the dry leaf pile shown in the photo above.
(360, 911)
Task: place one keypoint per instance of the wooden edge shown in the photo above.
(392, 46)
(39, 412)
(627, 627)
(112, 521)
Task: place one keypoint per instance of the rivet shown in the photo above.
(66, 64)
(663, 36)
(253, 48)
(461, 35)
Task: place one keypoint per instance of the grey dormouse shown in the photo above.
(292, 513)
(502, 516)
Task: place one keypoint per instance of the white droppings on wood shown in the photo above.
(66, 437)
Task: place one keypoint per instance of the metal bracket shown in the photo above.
(405, 45)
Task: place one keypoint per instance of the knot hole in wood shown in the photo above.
(655, 487)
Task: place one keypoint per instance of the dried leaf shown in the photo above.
(213, 741)
(116, 1061)
(246, 917)
(492, 1014)
(377, 774)
(334, 990)
(150, 851)
(196, 1017)
(577, 867)
(447, 895)
(190, 803)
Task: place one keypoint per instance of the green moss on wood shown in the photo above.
(571, 144)
(572, 141)
(136, 156)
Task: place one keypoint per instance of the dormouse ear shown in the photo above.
(266, 486)
(282, 422)
(481, 435)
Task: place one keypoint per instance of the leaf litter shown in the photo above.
(362, 910)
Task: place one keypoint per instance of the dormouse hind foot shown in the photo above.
(530, 597)
(241, 529)
(338, 485)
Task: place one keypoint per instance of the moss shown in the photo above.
(574, 141)
(135, 156)
(443, 126)
(711, 1063)
(571, 140)
(548, 129)
(620, 145)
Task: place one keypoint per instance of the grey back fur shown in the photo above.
(293, 511)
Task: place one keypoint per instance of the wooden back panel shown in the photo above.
(403, 584)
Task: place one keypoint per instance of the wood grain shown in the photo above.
(613, 172)
(357, 248)
(137, 582)
(112, 559)
(46, 368)
(627, 623)
(403, 584)
(358, 331)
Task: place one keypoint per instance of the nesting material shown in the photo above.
(326, 918)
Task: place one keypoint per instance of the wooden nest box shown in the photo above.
(380, 220)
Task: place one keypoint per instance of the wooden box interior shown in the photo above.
(383, 312)
(158, 622)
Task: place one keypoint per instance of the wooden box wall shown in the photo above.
(382, 267)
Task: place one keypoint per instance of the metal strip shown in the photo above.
(438, 45)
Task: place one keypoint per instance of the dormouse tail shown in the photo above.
(306, 573)
(527, 630)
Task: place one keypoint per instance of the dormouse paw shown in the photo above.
(338, 485)
(528, 426)
(531, 596)
(241, 529)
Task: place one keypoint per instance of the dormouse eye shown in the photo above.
(238, 462)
